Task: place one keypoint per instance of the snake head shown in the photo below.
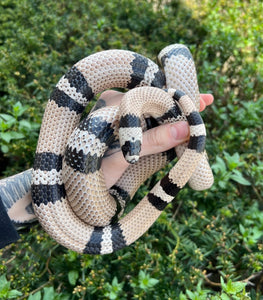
(130, 135)
(131, 150)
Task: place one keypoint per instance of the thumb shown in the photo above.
(164, 137)
(155, 140)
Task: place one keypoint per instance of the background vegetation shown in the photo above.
(206, 245)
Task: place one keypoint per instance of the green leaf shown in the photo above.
(223, 283)
(14, 294)
(114, 288)
(234, 287)
(73, 275)
(182, 296)
(6, 121)
(146, 282)
(49, 293)
(152, 282)
(12, 135)
(19, 109)
(257, 233)
(238, 177)
(219, 165)
(4, 283)
(72, 256)
(242, 229)
(190, 294)
(233, 161)
(114, 281)
(113, 295)
(25, 124)
(224, 297)
(36, 296)
(4, 148)
(8, 118)
(6, 136)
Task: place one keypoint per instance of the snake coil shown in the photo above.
(69, 194)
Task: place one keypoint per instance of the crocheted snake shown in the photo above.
(69, 194)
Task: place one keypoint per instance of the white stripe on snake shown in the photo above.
(72, 203)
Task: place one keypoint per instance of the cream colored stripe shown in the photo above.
(184, 168)
(106, 244)
(180, 73)
(197, 130)
(57, 125)
(47, 177)
(203, 177)
(127, 133)
(88, 143)
(138, 221)
(188, 106)
(106, 69)
(89, 197)
(159, 192)
(149, 73)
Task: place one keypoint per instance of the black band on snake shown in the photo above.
(69, 194)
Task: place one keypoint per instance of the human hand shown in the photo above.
(155, 140)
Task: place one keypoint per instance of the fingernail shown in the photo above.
(180, 131)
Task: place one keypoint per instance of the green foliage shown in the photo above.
(113, 289)
(13, 128)
(229, 170)
(206, 245)
(5, 290)
(144, 283)
(47, 293)
(230, 291)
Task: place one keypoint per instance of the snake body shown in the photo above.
(69, 194)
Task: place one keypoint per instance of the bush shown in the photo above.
(206, 245)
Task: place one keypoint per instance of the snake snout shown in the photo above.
(130, 135)
(131, 151)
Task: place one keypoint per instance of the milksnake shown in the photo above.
(70, 198)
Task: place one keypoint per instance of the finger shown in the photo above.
(164, 137)
(113, 167)
(112, 97)
(205, 100)
(155, 140)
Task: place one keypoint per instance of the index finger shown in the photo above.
(205, 100)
